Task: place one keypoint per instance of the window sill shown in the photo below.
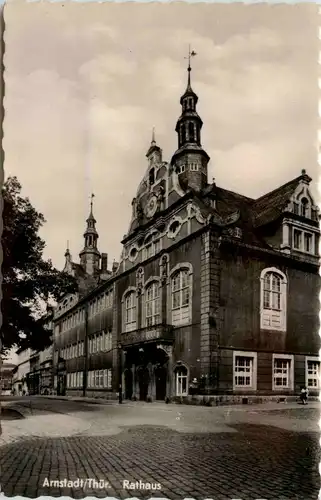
(244, 389)
(274, 329)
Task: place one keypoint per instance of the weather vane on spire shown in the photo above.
(191, 53)
(91, 201)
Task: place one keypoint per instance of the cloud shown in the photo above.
(86, 84)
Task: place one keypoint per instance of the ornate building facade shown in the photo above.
(215, 292)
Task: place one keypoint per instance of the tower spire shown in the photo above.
(189, 69)
(190, 160)
(153, 143)
(90, 255)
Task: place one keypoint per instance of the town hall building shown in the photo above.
(215, 293)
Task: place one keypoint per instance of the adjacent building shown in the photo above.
(215, 293)
(6, 378)
(34, 372)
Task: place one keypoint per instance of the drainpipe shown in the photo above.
(120, 375)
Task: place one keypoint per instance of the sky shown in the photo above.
(86, 83)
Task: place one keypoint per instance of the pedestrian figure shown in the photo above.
(304, 395)
(193, 387)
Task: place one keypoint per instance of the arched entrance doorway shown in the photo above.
(160, 381)
(143, 382)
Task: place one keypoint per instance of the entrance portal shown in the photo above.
(160, 380)
(143, 381)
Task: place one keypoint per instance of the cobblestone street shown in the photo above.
(267, 451)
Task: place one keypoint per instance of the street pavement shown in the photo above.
(268, 451)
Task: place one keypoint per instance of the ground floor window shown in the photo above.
(181, 381)
(312, 372)
(100, 379)
(282, 371)
(244, 370)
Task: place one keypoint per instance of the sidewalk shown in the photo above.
(267, 406)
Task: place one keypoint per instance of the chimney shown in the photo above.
(115, 267)
(104, 262)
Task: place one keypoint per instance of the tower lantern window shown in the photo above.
(191, 131)
(152, 176)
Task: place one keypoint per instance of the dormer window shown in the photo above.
(152, 176)
(303, 241)
(304, 207)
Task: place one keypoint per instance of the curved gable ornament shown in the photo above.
(194, 210)
(174, 226)
(231, 219)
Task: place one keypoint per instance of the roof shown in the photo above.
(270, 206)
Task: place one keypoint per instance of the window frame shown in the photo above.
(155, 302)
(245, 354)
(290, 373)
(312, 359)
(130, 326)
(303, 233)
(178, 270)
(179, 378)
(267, 314)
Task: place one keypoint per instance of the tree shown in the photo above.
(27, 279)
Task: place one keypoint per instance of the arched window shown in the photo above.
(273, 300)
(130, 312)
(304, 207)
(191, 131)
(181, 378)
(181, 297)
(152, 309)
(181, 132)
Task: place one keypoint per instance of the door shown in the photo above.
(128, 384)
(160, 379)
(143, 381)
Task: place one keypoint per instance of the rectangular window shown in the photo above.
(106, 379)
(94, 344)
(297, 239)
(244, 370)
(313, 373)
(308, 242)
(109, 379)
(282, 372)
(96, 378)
(101, 378)
(98, 343)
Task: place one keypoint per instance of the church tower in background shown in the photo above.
(90, 255)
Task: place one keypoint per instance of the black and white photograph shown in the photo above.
(160, 271)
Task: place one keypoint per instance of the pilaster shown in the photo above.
(210, 310)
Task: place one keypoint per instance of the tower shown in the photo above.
(190, 160)
(90, 256)
(68, 261)
(154, 157)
